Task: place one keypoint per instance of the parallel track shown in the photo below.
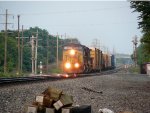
(25, 79)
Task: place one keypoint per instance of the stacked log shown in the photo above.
(54, 100)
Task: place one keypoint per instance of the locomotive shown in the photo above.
(78, 58)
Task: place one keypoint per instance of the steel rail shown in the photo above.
(24, 79)
(52, 77)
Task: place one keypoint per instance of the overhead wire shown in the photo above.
(74, 11)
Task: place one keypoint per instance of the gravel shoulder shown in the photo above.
(117, 92)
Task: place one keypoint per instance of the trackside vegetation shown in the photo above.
(143, 7)
(46, 51)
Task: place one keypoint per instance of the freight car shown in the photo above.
(78, 58)
(96, 59)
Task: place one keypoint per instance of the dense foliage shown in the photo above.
(143, 7)
(46, 49)
(11, 53)
(142, 55)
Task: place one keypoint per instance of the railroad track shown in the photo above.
(52, 77)
(25, 79)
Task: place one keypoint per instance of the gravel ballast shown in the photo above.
(118, 92)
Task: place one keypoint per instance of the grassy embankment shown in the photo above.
(134, 70)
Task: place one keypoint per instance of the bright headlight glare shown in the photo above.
(72, 52)
(76, 65)
(68, 65)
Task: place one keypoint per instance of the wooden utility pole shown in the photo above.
(5, 42)
(47, 54)
(33, 56)
(57, 50)
(5, 51)
(22, 45)
(36, 46)
(18, 44)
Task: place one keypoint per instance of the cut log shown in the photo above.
(58, 105)
(47, 102)
(40, 99)
(32, 109)
(50, 110)
(77, 109)
(53, 93)
(65, 100)
(41, 109)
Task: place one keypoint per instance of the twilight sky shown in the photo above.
(113, 23)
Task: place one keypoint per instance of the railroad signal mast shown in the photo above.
(135, 42)
(20, 54)
(34, 46)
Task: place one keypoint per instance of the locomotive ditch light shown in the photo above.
(66, 75)
(76, 65)
(68, 65)
(72, 52)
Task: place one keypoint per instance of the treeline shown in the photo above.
(143, 7)
(46, 48)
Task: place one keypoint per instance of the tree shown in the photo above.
(44, 49)
(144, 57)
(11, 53)
(143, 7)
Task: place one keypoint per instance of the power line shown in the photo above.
(75, 11)
(92, 24)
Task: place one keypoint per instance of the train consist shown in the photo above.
(78, 58)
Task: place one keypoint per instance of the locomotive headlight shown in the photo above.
(76, 65)
(68, 65)
(72, 52)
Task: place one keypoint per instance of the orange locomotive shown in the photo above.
(78, 58)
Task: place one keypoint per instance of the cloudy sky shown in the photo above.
(112, 23)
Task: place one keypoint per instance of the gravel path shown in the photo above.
(117, 92)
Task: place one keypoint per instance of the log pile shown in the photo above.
(54, 100)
